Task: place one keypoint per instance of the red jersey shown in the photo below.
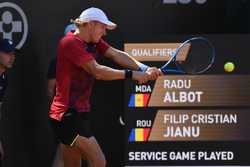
(73, 83)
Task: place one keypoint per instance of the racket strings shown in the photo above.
(198, 57)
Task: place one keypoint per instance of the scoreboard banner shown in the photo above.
(206, 90)
(200, 125)
(186, 120)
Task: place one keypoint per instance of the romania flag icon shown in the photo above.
(139, 100)
(139, 134)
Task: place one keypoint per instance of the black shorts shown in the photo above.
(72, 125)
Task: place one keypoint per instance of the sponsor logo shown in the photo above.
(13, 23)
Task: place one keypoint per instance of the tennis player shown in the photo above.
(76, 71)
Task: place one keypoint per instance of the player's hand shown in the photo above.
(141, 77)
(154, 73)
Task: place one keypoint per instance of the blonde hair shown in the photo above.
(77, 22)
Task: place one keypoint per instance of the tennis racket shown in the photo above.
(194, 56)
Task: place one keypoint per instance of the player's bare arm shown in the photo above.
(102, 72)
(127, 61)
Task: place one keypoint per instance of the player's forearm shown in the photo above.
(126, 61)
(107, 73)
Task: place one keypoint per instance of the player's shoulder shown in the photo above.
(70, 39)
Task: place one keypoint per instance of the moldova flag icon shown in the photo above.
(139, 100)
(139, 134)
